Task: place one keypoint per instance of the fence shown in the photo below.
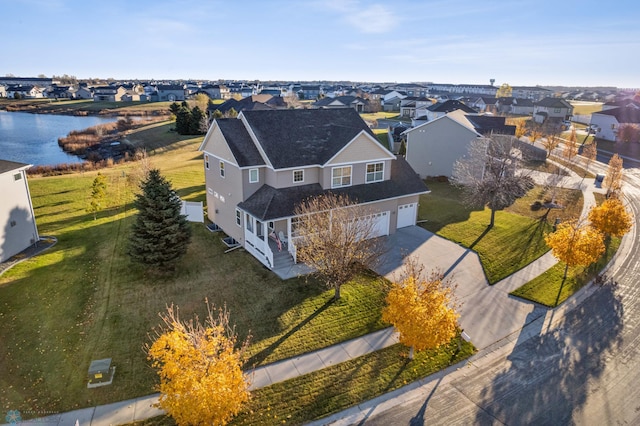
(193, 210)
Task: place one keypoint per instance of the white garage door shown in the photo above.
(407, 215)
(380, 224)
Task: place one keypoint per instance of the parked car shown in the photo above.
(591, 129)
(599, 180)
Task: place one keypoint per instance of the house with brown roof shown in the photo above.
(262, 164)
(18, 228)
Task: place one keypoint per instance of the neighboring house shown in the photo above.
(262, 164)
(485, 104)
(528, 92)
(217, 91)
(3, 91)
(18, 228)
(609, 121)
(82, 92)
(108, 93)
(434, 147)
(24, 92)
(253, 102)
(410, 104)
(355, 102)
(310, 92)
(552, 108)
(170, 92)
(440, 109)
(515, 106)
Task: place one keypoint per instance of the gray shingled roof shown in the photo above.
(450, 105)
(302, 137)
(623, 114)
(554, 103)
(269, 203)
(240, 143)
(7, 166)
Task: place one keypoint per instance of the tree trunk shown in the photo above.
(336, 295)
(566, 269)
(493, 218)
(411, 350)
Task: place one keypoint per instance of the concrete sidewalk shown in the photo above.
(488, 315)
(142, 408)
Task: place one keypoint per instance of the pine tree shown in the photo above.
(98, 194)
(160, 235)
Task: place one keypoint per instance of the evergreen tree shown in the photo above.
(195, 122)
(98, 194)
(160, 235)
(183, 120)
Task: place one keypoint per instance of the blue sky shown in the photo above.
(520, 42)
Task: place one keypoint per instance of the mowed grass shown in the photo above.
(86, 106)
(550, 289)
(338, 387)
(517, 237)
(84, 300)
(584, 108)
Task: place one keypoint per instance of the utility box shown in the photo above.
(100, 373)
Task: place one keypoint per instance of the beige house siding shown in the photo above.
(216, 145)
(284, 178)
(18, 230)
(249, 188)
(223, 195)
(434, 147)
(362, 148)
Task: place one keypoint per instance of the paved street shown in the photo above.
(579, 366)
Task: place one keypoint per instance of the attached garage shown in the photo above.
(407, 215)
(380, 223)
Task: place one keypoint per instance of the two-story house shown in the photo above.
(262, 164)
(18, 228)
(108, 93)
(552, 108)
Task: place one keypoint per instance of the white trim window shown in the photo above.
(254, 176)
(222, 169)
(375, 172)
(206, 161)
(238, 218)
(340, 176)
(298, 176)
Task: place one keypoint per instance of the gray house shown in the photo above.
(262, 164)
(553, 108)
(433, 147)
(18, 228)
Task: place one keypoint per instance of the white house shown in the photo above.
(18, 228)
(608, 122)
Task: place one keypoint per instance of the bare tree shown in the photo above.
(334, 236)
(490, 174)
(590, 152)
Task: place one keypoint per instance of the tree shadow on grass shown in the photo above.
(258, 358)
(550, 375)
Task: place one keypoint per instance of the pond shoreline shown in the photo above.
(87, 108)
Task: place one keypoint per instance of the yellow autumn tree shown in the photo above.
(590, 152)
(422, 310)
(201, 379)
(613, 179)
(611, 217)
(535, 132)
(576, 243)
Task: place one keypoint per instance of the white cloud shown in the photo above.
(367, 19)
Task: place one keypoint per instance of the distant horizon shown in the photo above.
(315, 81)
(572, 43)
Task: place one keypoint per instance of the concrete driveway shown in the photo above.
(488, 314)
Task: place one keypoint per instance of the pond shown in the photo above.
(33, 138)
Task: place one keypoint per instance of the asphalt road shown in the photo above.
(583, 369)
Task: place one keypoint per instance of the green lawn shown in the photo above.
(84, 300)
(583, 108)
(517, 237)
(551, 290)
(338, 387)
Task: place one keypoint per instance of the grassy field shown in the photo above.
(517, 237)
(551, 290)
(338, 387)
(584, 108)
(85, 107)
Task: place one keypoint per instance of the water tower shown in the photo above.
(492, 80)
